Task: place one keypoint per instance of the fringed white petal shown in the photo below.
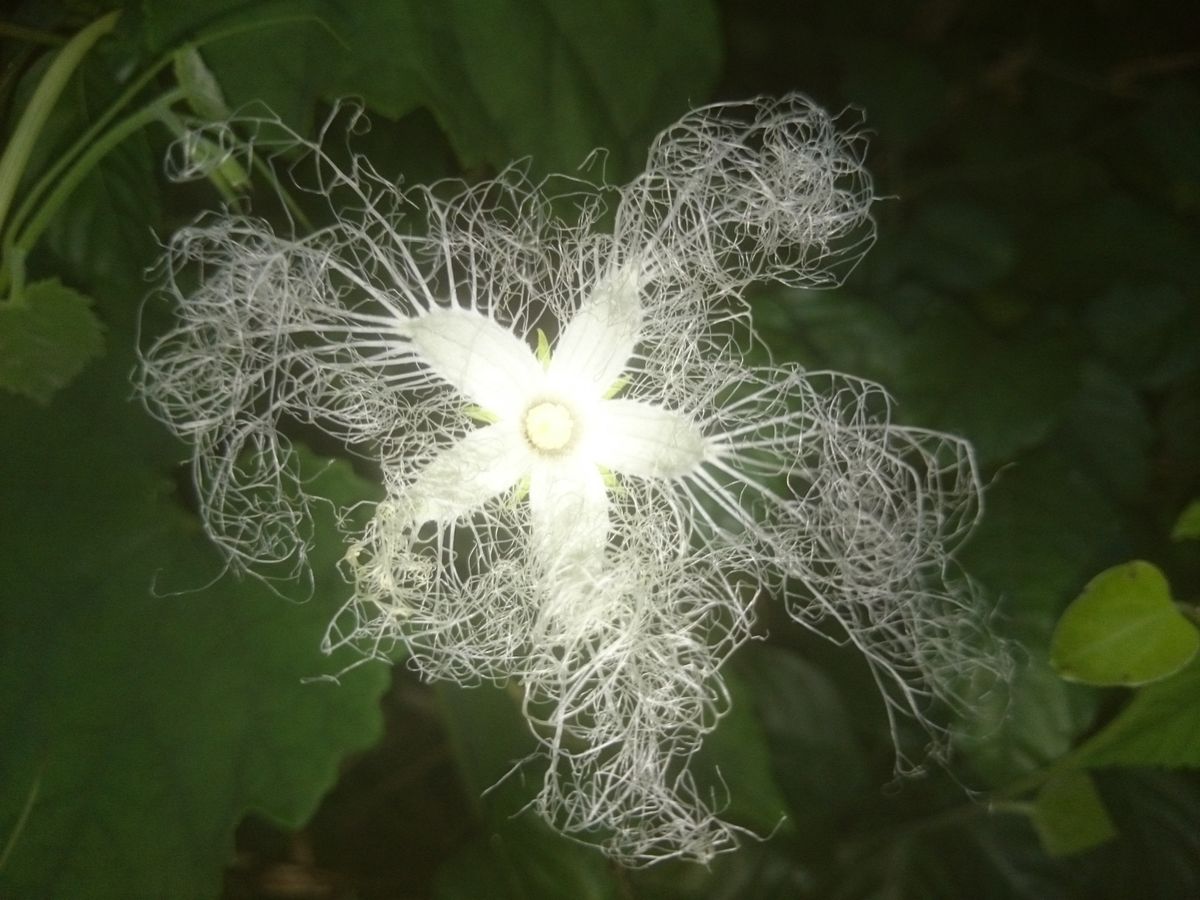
(636, 438)
(486, 462)
(594, 348)
(569, 507)
(485, 361)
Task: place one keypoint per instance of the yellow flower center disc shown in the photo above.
(549, 426)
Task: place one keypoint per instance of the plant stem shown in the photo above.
(85, 140)
(20, 246)
(30, 35)
(22, 819)
(16, 155)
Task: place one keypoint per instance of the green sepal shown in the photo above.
(479, 414)
(616, 387)
(543, 348)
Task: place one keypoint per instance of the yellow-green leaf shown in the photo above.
(1159, 727)
(1069, 815)
(1187, 526)
(1124, 629)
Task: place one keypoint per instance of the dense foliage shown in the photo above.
(166, 729)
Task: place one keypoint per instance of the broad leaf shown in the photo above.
(277, 55)
(157, 700)
(517, 856)
(504, 79)
(1004, 390)
(1044, 531)
(735, 762)
(818, 761)
(605, 74)
(47, 339)
(1123, 629)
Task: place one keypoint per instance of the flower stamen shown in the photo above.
(549, 426)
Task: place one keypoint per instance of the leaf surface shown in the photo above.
(157, 700)
(1123, 629)
(46, 341)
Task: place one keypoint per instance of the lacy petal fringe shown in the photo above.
(588, 485)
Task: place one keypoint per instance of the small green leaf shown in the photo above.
(1187, 526)
(1160, 727)
(1069, 815)
(1123, 629)
(47, 339)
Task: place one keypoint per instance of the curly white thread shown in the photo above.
(587, 484)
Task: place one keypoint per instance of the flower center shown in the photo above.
(549, 426)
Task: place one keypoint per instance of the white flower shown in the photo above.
(587, 484)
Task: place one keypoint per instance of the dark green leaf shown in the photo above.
(959, 247)
(276, 55)
(832, 329)
(104, 234)
(901, 90)
(47, 340)
(1045, 529)
(1113, 239)
(525, 861)
(1070, 816)
(1032, 726)
(1006, 392)
(1155, 813)
(509, 79)
(818, 762)
(1149, 333)
(1106, 404)
(518, 856)
(736, 762)
(504, 79)
(1005, 389)
(158, 701)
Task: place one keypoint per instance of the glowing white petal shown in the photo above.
(637, 438)
(486, 462)
(569, 505)
(594, 348)
(486, 361)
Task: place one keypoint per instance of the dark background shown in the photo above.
(1033, 287)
